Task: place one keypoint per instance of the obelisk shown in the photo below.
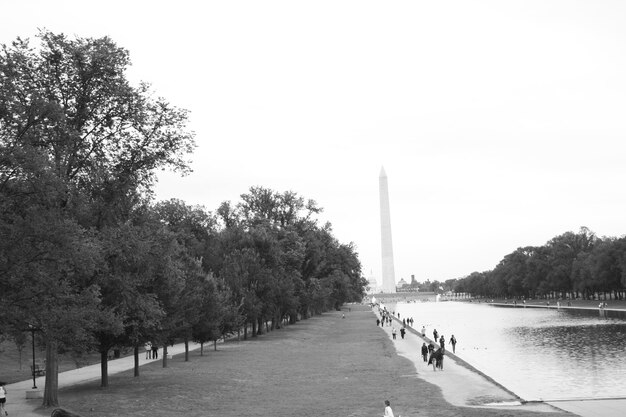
(389, 276)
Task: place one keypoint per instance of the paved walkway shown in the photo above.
(18, 406)
(460, 383)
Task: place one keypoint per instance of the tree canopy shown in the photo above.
(569, 265)
(89, 259)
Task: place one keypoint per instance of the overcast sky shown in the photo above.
(500, 124)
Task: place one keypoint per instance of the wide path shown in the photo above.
(18, 406)
(453, 381)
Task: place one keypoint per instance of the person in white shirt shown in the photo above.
(3, 400)
(388, 410)
(148, 348)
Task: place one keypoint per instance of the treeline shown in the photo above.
(91, 262)
(574, 265)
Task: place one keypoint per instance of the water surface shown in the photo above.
(540, 354)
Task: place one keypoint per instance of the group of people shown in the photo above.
(433, 357)
(152, 351)
(430, 354)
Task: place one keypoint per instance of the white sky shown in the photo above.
(499, 123)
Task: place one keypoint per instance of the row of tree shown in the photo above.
(90, 261)
(574, 265)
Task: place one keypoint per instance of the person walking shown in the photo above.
(377, 322)
(388, 410)
(453, 343)
(3, 399)
(402, 332)
(155, 352)
(425, 352)
(393, 332)
(148, 347)
(442, 343)
(435, 333)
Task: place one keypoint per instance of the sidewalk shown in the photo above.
(461, 383)
(18, 406)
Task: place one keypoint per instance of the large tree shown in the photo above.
(76, 134)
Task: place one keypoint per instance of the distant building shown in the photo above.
(372, 284)
(403, 286)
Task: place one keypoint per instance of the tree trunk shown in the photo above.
(245, 332)
(254, 333)
(165, 355)
(201, 348)
(215, 345)
(136, 355)
(51, 389)
(186, 351)
(104, 368)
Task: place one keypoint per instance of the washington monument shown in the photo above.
(389, 276)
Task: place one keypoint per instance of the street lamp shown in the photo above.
(32, 332)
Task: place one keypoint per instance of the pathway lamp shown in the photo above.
(32, 330)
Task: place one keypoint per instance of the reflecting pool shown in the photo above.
(540, 354)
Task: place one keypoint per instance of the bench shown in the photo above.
(38, 370)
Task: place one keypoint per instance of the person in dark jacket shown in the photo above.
(453, 343)
(425, 352)
(436, 359)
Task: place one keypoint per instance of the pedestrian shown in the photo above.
(155, 352)
(388, 410)
(439, 359)
(377, 322)
(442, 343)
(423, 331)
(425, 352)
(436, 359)
(435, 333)
(3, 400)
(393, 332)
(431, 348)
(453, 343)
(404, 322)
(402, 332)
(148, 347)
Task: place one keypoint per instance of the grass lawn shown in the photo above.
(15, 367)
(324, 366)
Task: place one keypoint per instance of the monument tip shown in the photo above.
(382, 172)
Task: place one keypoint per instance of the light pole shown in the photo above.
(32, 332)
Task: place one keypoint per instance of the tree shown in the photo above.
(78, 138)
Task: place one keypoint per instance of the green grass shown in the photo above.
(14, 368)
(324, 366)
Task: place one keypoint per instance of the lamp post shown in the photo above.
(32, 332)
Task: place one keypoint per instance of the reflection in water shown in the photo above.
(537, 353)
